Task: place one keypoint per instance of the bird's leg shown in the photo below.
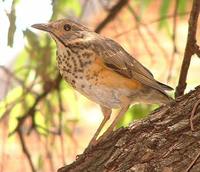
(106, 113)
(116, 120)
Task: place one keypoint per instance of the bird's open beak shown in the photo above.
(44, 27)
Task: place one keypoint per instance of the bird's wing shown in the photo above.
(117, 59)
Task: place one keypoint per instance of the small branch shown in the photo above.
(49, 155)
(85, 4)
(31, 111)
(190, 48)
(156, 41)
(167, 17)
(11, 74)
(25, 149)
(149, 32)
(112, 14)
(136, 17)
(174, 41)
(61, 136)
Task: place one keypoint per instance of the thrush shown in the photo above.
(100, 69)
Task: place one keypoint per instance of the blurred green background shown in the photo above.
(44, 123)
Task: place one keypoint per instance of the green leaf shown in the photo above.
(67, 130)
(16, 112)
(14, 94)
(40, 121)
(33, 40)
(40, 162)
(21, 60)
(12, 97)
(144, 4)
(74, 6)
(182, 6)
(62, 6)
(163, 12)
(29, 99)
(136, 112)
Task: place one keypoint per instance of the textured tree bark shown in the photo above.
(163, 142)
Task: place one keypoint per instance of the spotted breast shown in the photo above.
(81, 67)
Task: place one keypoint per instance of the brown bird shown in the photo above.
(100, 69)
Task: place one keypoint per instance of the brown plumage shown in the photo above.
(102, 70)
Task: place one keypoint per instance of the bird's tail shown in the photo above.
(165, 97)
(165, 87)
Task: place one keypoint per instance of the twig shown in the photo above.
(139, 31)
(56, 132)
(83, 9)
(193, 162)
(18, 80)
(193, 114)
(112, 14)
(156, 41)
(49, 156)
(9, 106)
(150, 33)
(25, 149)
(3, 147)
(174, 41)
(61, 109)
(190, 47)
(151, 22)
(107, 5)
(168, 17)
(31, 111)
(11, 74)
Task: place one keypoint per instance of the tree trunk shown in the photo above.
(163, 142)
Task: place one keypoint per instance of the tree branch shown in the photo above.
(171, 64)
(190, 48)
(31, 113)
(162, 142)
(112, 14)
(25, 149)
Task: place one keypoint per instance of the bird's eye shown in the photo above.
(67, 27)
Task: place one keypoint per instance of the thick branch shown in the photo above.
(162, 142)
(190, 47)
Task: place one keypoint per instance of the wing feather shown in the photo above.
(116, 58)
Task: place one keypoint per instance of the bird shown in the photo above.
(103, 71)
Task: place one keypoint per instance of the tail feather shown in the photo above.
(165, 87)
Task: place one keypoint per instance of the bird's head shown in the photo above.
(64, 31)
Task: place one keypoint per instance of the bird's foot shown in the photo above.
(105, 134)
(95, 141)
(92, 144)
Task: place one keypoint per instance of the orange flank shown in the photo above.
(112, 79)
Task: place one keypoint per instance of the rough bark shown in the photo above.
(163, 142)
